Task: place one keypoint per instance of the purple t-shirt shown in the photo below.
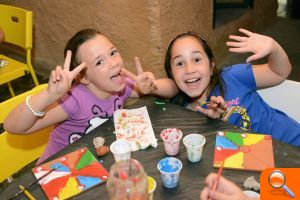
(85, 112)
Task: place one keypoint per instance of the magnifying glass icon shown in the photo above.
(277, 180)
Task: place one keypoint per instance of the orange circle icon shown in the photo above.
(277, 179)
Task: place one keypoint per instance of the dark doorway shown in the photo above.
(228, 10)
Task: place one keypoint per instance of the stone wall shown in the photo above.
(137, 27)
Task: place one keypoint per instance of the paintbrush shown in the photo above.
(27, 194)
(33, 183)
(208, 102)
(218, 177)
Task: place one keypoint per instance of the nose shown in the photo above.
(189, 68)
(113, 61)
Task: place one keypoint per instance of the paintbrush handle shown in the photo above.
(218, 177)
(34, 182)
(27, 194)
(40, 178)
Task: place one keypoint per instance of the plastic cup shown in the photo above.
(171, 138)
(169, 169)
(151, 187)
(121, 150)
(194, 145)
(127, 180)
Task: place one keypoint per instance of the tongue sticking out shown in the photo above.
(117, 79)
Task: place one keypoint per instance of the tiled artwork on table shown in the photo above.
(244, 151)
(73, 173)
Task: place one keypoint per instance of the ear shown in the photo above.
(82, 79)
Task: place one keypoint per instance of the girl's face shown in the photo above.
(190, 67)
(104, 65)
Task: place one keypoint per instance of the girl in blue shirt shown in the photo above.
(231, 93)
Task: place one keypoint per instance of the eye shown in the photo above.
(99, 62)
(179, 64)
(197, 60)
(114, 52)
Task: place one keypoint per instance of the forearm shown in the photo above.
(278, 61)
(275, 70)
(22, 120)
(165, 88)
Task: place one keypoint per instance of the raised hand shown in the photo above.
(259, 45)
(145, 81)
(215, 107)
(61, 78)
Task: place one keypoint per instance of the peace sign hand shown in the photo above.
(145, 81)
(61, 79)
(215, 107)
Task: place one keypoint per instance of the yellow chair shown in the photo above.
(16, 23)
(17, 151)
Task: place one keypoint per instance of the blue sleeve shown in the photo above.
(240, 74)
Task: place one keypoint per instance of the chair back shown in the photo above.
(284, 97)
(18, 150)
(16, 24)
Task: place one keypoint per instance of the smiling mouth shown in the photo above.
(192, 80)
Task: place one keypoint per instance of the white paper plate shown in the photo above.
(251, 193)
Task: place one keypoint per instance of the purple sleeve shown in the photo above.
(69, 104)
(129, 87)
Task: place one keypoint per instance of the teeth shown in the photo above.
(191, 80)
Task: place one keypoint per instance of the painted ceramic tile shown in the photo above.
(73, 174)
(135, 125)
(245, 151)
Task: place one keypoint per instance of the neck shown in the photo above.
(104, 95)
(195, 102)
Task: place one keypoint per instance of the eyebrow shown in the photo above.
(193, 52)
(177, 57)
(197, 52)
(98, 57)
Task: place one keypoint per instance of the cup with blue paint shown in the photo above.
(169, 169)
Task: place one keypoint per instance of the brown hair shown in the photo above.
(76, 41)
(215, 79)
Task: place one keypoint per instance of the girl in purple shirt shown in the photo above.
(101, 86)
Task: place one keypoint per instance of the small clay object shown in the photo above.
(98, 142)
(251, 183)
(103, 150)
